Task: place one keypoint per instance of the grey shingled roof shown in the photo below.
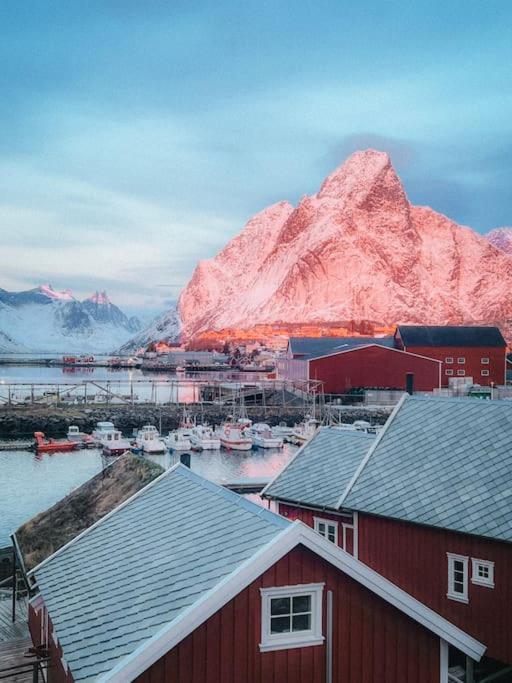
(140, 568)
(444, 462)
(322, 470)
(313, 347)
(446, 335)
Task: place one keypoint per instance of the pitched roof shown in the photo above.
(314, 347)
(444, 462)
(322, 469)
(131, 587)
(424, 335)
(116, 585)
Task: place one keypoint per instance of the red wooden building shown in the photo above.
(342, 364)
(465, 352)
(428, 504)
(159, 591)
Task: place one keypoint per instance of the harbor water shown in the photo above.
(31, 483)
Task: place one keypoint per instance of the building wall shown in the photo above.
(306, 515)
(373, 366)
(292, 369)
(414, 557)
(473, 365)
(41, 631)
(372, 641)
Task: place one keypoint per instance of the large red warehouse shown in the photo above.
(350, 363)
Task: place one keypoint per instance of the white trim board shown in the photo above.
(295, 534)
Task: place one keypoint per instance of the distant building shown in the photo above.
(189, 582)
(465, 352)
(427, 503)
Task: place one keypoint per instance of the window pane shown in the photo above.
(280, 625)
(302, 622)
(321, 528)
(332, 535)
(280, 606)
(302, 603)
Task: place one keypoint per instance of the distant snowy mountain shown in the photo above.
(45, 320)
(165, 327)
(501, 238)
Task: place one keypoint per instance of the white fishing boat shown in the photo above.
(263, 437)
(102, 428)
(204, 438)
(148, 440)
(235, 436)
(361, 425)
(178, 440)
(74, 434)
(303, 431)
(281, 430)
(114, 444)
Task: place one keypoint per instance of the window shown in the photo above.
(457, 577)
(461, 360)
(291, 616)
(485, 361)
(484, 373)
(461, 373)
(327, 528)
(482, 572)
(449, 360)
(448, 372)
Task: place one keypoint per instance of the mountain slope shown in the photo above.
(355, 251)
(502, 239)
(45, 320)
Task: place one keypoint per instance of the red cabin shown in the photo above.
(159, 591)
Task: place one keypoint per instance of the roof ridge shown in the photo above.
(371, 450)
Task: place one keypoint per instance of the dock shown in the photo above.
(17, 664)
(247, 485)
(16, 445)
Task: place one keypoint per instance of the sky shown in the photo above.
(137, 138)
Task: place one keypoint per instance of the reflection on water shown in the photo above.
(30, 484)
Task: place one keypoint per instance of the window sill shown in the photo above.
(485, 584)
(290, 644)
(457, 598)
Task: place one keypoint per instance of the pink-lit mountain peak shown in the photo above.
(99, 298)
(47, 290)
(501, 238)
(355, 251)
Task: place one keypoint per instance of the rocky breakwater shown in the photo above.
(23, 421)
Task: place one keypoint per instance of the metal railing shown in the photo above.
(37, 668)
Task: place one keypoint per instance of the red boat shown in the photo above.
(44, 445)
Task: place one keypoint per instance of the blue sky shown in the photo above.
(137, 137)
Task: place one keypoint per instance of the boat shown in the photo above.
(148, 440)
(102, 428)
(204, 438)
(281, 430)
(114, 444)
(84, 440)
(44, 445)
(263, 437)
(303, 431)
(235, 436)
(178, 440)
(361, 425)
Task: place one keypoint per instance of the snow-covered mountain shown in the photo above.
(45, 320)
(165, 327)
(357, 250)
(501, 238)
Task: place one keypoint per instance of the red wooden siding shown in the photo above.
(345, 521)
(372, 640)
(473, 365)
(414, 557)
(373, 366)
(56, 672)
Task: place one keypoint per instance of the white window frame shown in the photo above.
(461, 373)
(484, 361)
(449, 372)
(484, 373)
(328, 522)
(451, 593)
(480, 580)
(287, 641)
(461, 360)
(449, 360)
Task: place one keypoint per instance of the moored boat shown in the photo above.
(204, 438)
(178, 440)
(303, 431)
(44, 445)
(282, 430)
(148, 440)
(235, 436)
(263, 438)
(114, 444)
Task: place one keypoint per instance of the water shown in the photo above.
(30, 484)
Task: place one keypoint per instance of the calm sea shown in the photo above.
(30, 484)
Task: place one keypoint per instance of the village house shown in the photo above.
(416, 358)
(428, 505)
(188, 582)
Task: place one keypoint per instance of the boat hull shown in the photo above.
(236, 445)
